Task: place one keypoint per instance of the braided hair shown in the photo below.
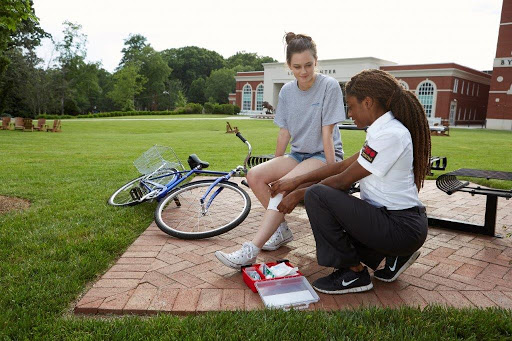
(385, 89)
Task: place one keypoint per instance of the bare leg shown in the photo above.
(260, 176)
(272, 219)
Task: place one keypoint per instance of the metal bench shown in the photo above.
(449, 184)
(436, 162)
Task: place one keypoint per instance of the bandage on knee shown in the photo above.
(274, 202)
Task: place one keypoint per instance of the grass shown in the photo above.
(70, 235)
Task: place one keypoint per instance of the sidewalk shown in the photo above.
(159, 273)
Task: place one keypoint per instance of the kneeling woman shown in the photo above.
(389, 220)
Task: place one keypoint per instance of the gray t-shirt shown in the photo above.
(304, 113)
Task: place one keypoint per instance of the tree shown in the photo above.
(249, 61)
(12, 14)
(190, 63)
(127, 83)
(21, 81)
(134, 45)
(152, 67)
(220, 84)
(196, 91)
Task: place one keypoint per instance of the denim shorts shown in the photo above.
(299, 157)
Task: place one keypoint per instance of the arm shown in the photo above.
(288, 185)
(328, 143)
(282, 141)
(342, 181)
(351, 174)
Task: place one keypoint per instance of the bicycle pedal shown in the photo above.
(136, 193)
(177, 202)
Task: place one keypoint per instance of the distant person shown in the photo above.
(307, 114)
(389, 220)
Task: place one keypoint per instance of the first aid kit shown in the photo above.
(280, 285)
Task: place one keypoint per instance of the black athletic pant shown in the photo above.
(349, 230)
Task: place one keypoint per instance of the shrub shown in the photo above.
(236, 109)
(208, 108)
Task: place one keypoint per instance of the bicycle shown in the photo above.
(187, 209)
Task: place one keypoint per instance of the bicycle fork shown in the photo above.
(206, 205)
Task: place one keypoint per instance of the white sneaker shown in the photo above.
(245, 256)
(282, 236)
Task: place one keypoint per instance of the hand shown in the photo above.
(284, 186)
(289, 202)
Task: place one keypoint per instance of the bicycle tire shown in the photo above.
(122, 196)
(185, 221)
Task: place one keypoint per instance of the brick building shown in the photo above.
(499, 107)
(449, 91)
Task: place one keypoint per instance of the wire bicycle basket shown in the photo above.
(158, 158)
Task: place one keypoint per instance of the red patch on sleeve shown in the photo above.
(368, 153)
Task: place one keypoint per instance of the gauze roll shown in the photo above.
(274, 202)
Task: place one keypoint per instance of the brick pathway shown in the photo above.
(161, 273)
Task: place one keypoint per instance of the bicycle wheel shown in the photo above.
(123, 196)
(180, 214)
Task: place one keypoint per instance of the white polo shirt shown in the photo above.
(388, 155)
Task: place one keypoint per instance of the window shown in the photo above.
(462, 88)
(455, 85)
(247, 97)
(259, 97)
(477, 89)
(404, 84)
(465, 109)
(426, 92)
(467, 91)
(473, 91)
(460, 109)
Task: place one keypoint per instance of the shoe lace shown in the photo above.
(246, 250)
(276, 236)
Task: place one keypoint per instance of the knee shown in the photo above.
(312, 194)
(254, 177)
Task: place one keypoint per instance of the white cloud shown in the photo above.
(404, 31)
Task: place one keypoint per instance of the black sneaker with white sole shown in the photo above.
(343, 281)
(395, 266)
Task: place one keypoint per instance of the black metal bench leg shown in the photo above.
(491, 207)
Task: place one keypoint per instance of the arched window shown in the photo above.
(259, 97)
(404, 84)
(246, 97)
(426, 94)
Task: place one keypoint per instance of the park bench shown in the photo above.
(56, 126)
(27, 124)
(449, 184)
(5, 123)
(18, 123)
(436, 162)
(41, 125)
(264, 116)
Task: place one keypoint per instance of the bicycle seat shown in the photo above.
(194, 161)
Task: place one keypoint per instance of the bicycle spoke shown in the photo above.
(226, 209)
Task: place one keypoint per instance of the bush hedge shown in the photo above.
(190, 108)
(216, 108)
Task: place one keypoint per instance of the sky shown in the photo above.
(402, 31)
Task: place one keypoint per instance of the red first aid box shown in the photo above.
(281, 292)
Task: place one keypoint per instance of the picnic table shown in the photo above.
(449, 184)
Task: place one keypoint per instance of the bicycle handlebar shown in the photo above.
(239, 135)
(249, 152)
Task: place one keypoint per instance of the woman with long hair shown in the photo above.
(389, 221)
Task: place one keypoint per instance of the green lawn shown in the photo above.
(50, 252)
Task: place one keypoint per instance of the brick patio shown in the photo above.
(159, 273)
